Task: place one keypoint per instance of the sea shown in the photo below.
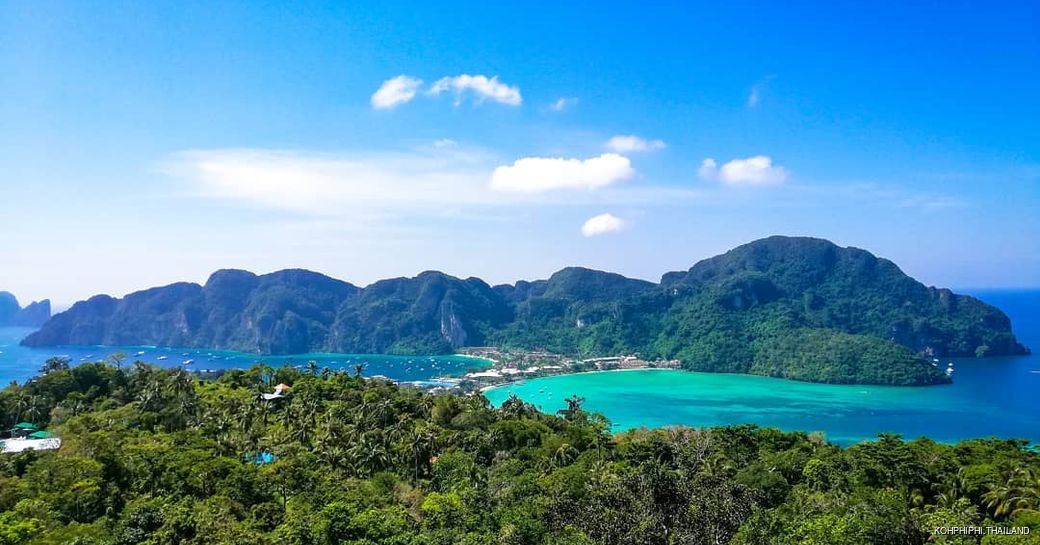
(989, 397)
(19, 363)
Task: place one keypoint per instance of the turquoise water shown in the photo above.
(18, 363)
(989, 397)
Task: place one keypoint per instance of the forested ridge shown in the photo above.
(798, 308)
(158, 456)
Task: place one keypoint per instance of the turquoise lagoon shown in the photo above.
(994, 397)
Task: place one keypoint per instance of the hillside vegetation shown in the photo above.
(155, 457)
(791, 307)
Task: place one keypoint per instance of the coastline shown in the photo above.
(523, 380)
(20, 363)
(974, 407)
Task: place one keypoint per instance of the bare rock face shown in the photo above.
(452, 329)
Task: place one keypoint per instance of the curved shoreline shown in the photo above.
(506, 384)
(975, 407)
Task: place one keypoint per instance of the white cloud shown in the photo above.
(750, 172)
(344, 184)
(562, 104)
(445, 143)
(632, 143)
(395, 91)
(366, 186)
(483, 87)
(708, 169)
(539, 174)
(602, 224)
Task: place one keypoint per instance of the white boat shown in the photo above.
(160, 358)
(187, 362)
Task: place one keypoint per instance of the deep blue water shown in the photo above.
(18, 363)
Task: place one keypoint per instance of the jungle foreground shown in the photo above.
(156, 456)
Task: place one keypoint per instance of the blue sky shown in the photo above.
(145, 143)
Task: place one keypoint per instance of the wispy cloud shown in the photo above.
(563, 103)
(602, 224)
(482, 88)
(322, 184)
(754, 96)
(886, 195)
(754, 171)
(540, 174)
(394, 92)
(429, 180)
(757, 91)
(631, 143)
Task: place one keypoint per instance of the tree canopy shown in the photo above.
(157, 456)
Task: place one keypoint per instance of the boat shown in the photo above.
(161, 358)
(187, 362)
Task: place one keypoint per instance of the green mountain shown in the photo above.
(799, 308)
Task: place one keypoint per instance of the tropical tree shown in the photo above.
(1018, 493)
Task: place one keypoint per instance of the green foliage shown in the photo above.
(154, 457)
(799, 308)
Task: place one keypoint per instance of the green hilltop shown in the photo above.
(791, 307)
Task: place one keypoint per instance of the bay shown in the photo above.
(19, 363)
(990, 397)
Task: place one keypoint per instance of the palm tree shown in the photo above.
(600, 441)
(514, 407)
(35, 408)
(1020, 493)
(423, 443)
(220, 422)
(573, 407)
(312, 367)
(563, 456)
(21, 405)
(425, 405)
(368, 454)
(382, 411)
(117, 359)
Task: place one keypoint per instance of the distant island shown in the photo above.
(790, 307)
(12, 314)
